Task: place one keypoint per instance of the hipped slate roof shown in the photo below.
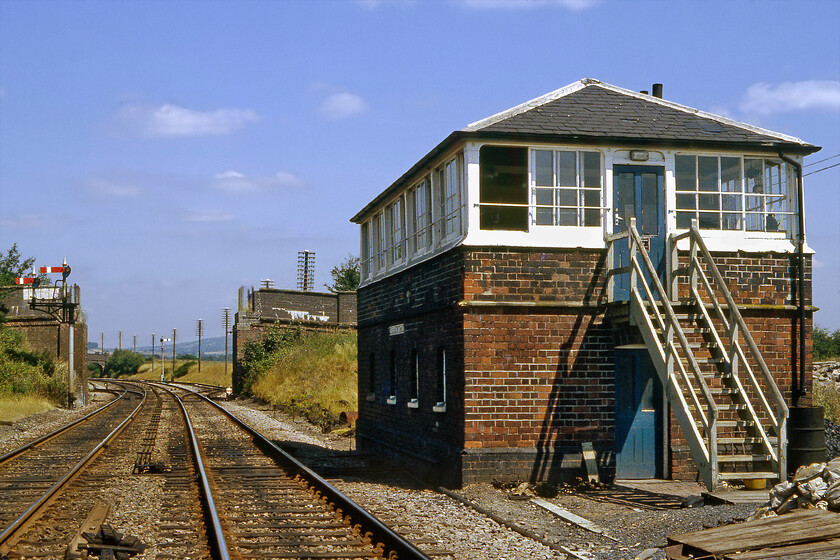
(589, 111)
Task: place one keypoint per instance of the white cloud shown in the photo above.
(236, 182)
(572, 5)
(342, 105)
(112, 189)
(765, 99)
(171, 120)
(207, 216)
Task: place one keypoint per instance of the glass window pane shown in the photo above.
(686, 202)
(730, 174)
(591, 217)
(543, 168)
(544, 197)
(731, 221)
(754, 203)
(776, 222)
(684, 219)
(709, 201)
(686, 172)
(566, 197)
(567, 217)
(754, 221)
(753, 176)
(544, 216)
(567, 169)
(774, 177)
(707, 170)
(709, 220)
(730, 202)
(625, 197)
(592, 170)
(649, 220)
(592, 198)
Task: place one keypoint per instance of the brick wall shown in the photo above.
(535, 358)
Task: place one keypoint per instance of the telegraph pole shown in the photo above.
(226, 325)
(120, 340)
(174, 332)
(153, 352)
(199, 330)
(135, 344)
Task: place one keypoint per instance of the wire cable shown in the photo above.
(823, 169)
(820, 161)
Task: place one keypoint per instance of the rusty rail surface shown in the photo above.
(15, 528)
(45, 438)
(393, 545)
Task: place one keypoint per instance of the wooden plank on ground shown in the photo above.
(589, 461)
(95, 518)
(820, 550)
(801, 526)
(572, 518)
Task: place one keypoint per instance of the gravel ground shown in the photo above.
(436, 521)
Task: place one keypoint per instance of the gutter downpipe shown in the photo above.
(800, 195)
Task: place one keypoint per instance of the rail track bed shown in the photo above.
(169, 493)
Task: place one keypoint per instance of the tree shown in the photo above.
(345, 276)
(826, 344)
(123, 362)
(12, 265)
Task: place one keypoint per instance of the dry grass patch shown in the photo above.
(828, 397)
(19, 406)
(315, 376)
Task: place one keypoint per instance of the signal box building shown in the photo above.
(595, 266)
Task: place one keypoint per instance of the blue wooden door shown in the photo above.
(639, 192)
(638, 416)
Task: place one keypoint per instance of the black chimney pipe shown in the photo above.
(657, 90)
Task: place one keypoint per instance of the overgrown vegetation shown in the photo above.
(27, 372)
(826, 344)
(309, 375)
(828, 397)
(123, 362)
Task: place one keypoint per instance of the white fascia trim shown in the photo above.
(528, 105)
(543, 237)
(726, 242)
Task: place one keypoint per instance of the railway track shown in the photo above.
(218, 490)
(33, 477)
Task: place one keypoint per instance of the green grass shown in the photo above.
(212, 373)
(18, 406)
(828, 397)
(27, 372)
(314, 376)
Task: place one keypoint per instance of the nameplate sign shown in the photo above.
(395, 330)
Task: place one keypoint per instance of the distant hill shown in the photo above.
(209, 346)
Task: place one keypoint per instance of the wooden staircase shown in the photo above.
(729, 408)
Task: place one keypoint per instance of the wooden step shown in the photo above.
(746, 475)
(746, 440)
(751, 458)
(729, 406)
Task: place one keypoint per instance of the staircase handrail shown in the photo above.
(732, 307)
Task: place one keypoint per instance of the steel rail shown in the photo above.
(392, 541)
(49, 436)
(15, 527)
(210, 504)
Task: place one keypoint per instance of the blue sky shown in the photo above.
(173, 151)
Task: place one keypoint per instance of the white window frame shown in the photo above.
(786, 184)
(580, 208)
(440, 406)
(450, 185)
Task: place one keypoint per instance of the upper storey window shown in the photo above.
(396, 240)
(503, 187)
(520, 188)
(732, 193)
(566, 188)
(449, 186)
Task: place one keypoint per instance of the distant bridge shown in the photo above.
(99, 359)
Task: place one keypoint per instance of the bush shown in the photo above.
(25, 372)
(826, 344)
(123, 362)
(828, 397)
(259, 356)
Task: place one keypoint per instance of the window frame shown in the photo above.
(742, 214)
(440, 381)
(580, 209)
